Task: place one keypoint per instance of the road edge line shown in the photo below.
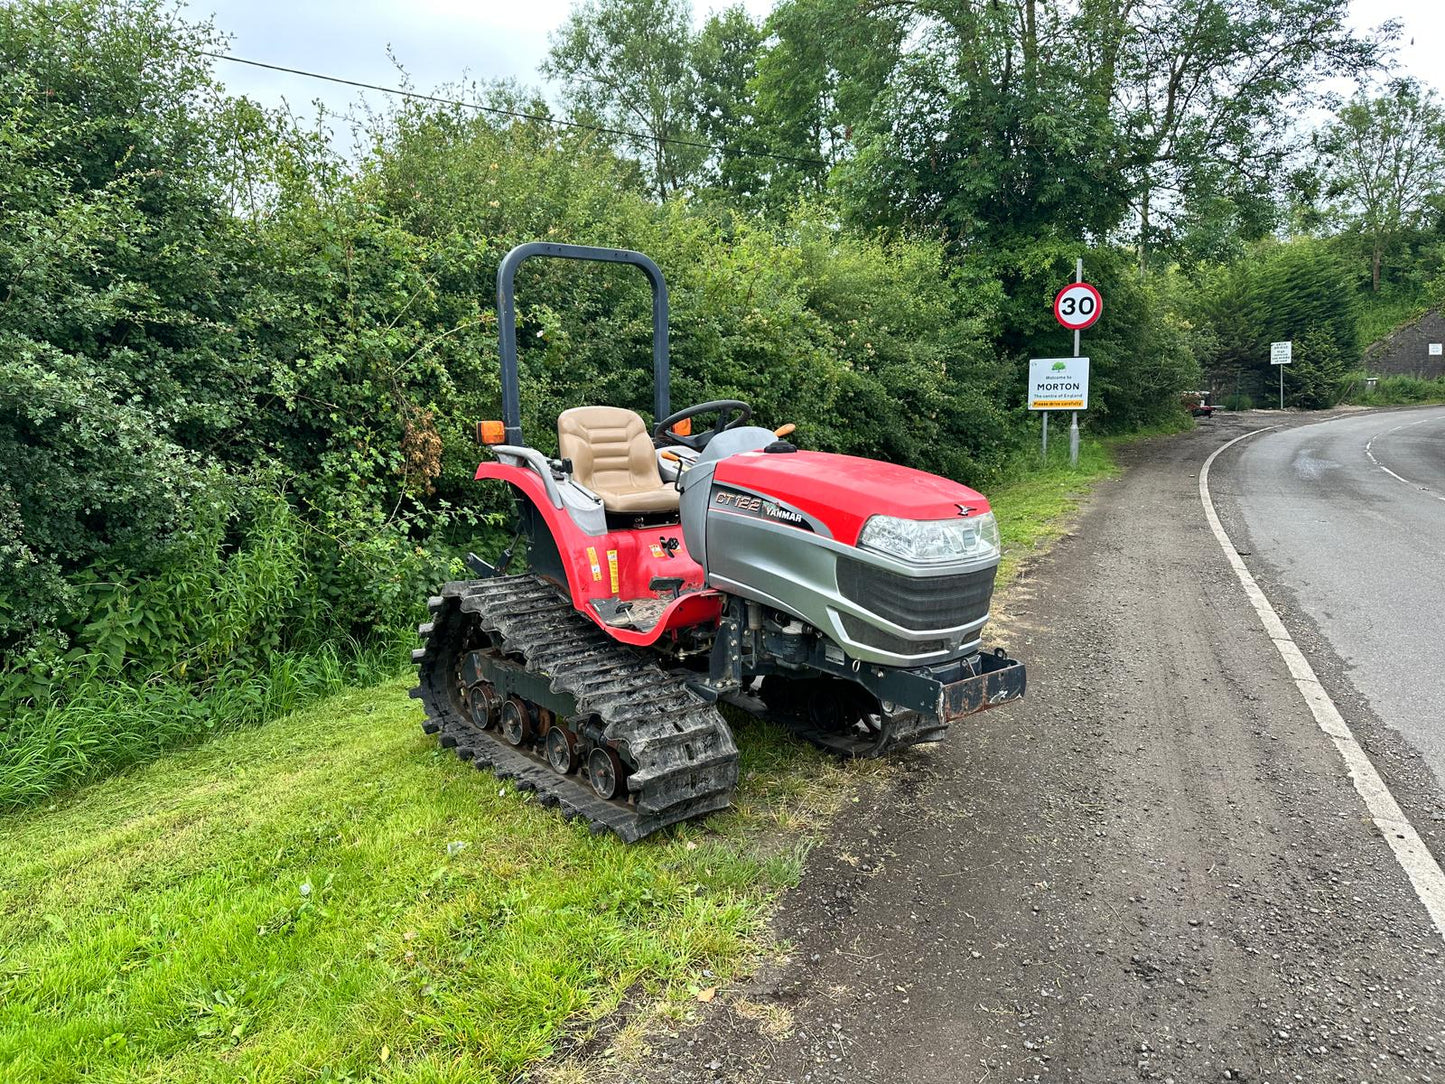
(1410, 851)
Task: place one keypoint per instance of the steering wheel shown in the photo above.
(731, 413)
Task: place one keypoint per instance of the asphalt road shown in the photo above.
(1153, 869)
(1350, 515)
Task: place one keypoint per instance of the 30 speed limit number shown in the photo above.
(1077, 306)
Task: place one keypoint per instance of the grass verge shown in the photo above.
(1394, 391)
(1035, 505)
(328, 897)
(106, 722)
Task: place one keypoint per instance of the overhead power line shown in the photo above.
(719, 148)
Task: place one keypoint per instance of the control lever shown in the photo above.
(673, 457)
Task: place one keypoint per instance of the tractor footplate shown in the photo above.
(513, 678)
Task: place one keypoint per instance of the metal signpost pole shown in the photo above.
(1063, 383)
(1280, 355)
(1074, 423)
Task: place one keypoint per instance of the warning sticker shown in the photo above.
(596, 568)
(612, 568)
(1056, 404)
(657, 551)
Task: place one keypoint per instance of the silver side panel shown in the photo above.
(796, 571)
(696, 491)
(584, 506)
(697, 482)
(514, 455)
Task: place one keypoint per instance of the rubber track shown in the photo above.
(686, 762)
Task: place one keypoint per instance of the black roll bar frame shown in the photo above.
(507, 323)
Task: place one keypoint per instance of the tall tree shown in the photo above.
(825, 65)
(990, 126)
(628, 63)
(725, 56)
(1385, 165)
(1146, 119)
(1205, 90)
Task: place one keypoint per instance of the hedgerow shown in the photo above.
(241, 372)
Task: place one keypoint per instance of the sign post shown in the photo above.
(1076, 307)
(1281, 354)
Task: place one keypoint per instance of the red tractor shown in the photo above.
(671, 569)
(1198, 404)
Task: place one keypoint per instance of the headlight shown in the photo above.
(932, 541)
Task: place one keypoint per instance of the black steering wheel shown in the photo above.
(731, 413)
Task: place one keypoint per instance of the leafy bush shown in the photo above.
(1141, 354)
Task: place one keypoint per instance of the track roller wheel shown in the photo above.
(604, 769)
(562, 750)
(516, 721)
(482, 702)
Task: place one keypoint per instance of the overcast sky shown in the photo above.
(439, 40)
(436, 41)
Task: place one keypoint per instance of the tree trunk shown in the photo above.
(1375, 256)
(1031, 44)
(1144, 231)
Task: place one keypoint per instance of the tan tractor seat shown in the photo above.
(613, 456)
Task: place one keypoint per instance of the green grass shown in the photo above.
(329, 897)
(1393, 390)
(1380, 314)
(104, 722)
(1036, 505)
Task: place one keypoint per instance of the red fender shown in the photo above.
(619, 564)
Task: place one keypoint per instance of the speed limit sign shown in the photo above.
(1078, 306)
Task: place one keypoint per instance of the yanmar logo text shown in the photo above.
(759, 507)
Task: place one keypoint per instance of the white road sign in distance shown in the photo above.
(1059, 384)
(1077, 306)
(1281, 353)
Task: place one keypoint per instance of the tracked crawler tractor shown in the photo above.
(673, 569)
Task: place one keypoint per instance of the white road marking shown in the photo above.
(1369, 445)
(1410, 850)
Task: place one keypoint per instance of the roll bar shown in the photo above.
(507, 322)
